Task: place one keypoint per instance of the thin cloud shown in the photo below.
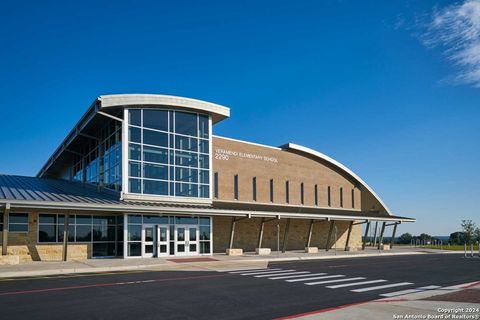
(456, 29)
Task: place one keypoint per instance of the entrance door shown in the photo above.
(149, 241)
(186, 240)
(162, 236)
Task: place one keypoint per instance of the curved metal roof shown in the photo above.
(326, 158)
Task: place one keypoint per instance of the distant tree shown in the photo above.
(425, 237)
(405, 238)
(457, 238)
(468, 227)
(476, 235)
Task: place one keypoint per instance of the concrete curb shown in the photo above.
(174, 266)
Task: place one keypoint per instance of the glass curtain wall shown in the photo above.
(168, 153)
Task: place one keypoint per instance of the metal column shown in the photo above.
(375, 234)
(65, 237)
(348, 235)
(260, 236)
(310, 230)
(332, 224)
(380, 239)
(6, 212)
(285, 237)
(232, 232)
(393, 234)
(365, 236)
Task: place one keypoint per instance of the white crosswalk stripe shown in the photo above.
(401, 293)
(399, 284)
(297, 276)
(265, 272)
(355, 284)
(332, 281)
(247, 270)
(282, 274)
(316, 278)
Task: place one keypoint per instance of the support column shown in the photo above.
(380, 239)
(232, 233)
(375, 234)
(260, 235)
(6, 213)
(365, 236)
(348, 234)
(65, 237)
(310, 231)
(125, 236)
(327, 246)
(285, 236)
(392, 241)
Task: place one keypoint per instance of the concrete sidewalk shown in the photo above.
(214, 262)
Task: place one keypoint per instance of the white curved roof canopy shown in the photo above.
(217, 112)
(296, 147)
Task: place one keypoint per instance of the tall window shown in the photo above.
(254, 188)
(168, 153)
(329, 196)
(215, 185)
(316, 195)
(287, 192)
(18, 222)
(235, 187)
(302, 198)
(353, 198)
(341, 197)
(271, 190)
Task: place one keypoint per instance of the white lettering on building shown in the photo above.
(222, 154)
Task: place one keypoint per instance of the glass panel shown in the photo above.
(193, 247)
(186, 143)
(181, 248)
(155, 138)
(155, 220)
(104, 220)
(149, 234)
(18, 228)
(203, 129)
(134, 218)
(134, 233)
(47, 233)
(47, 218)
(172, 232)
(135, 117)
(204, 221)
(155, 171)
(18, 218)
(83, 233)
(163, 234)
(119, 252)
(134, 249)
(192, 232)
(152, 154)
(148, 248)
(204, 191)
(186, 174)
(134, 134)
(172, 248)
(155, 119)
(103, 233)
(134, 185)
(155, 187)
(186, 123)
(180, 234)
(203, 146)
(134, 151)
(84, 219)
(134, 169)
(204, 233)
(186, 190)
(186, 159)
(203, 161)
(71, 233)
(204, 246)
(103, 249)
(163, 248)
(186, 220)
(204, 176)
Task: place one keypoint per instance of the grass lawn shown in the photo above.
(455, 247)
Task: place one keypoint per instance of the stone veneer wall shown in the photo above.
(26, 247)
(247, 232)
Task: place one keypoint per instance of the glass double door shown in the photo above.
(186, 240)
(154, 240)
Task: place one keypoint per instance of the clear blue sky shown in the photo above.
(355, 80)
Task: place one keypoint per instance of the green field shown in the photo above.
(455, 247)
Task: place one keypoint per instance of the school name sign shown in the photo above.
(224, 155)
